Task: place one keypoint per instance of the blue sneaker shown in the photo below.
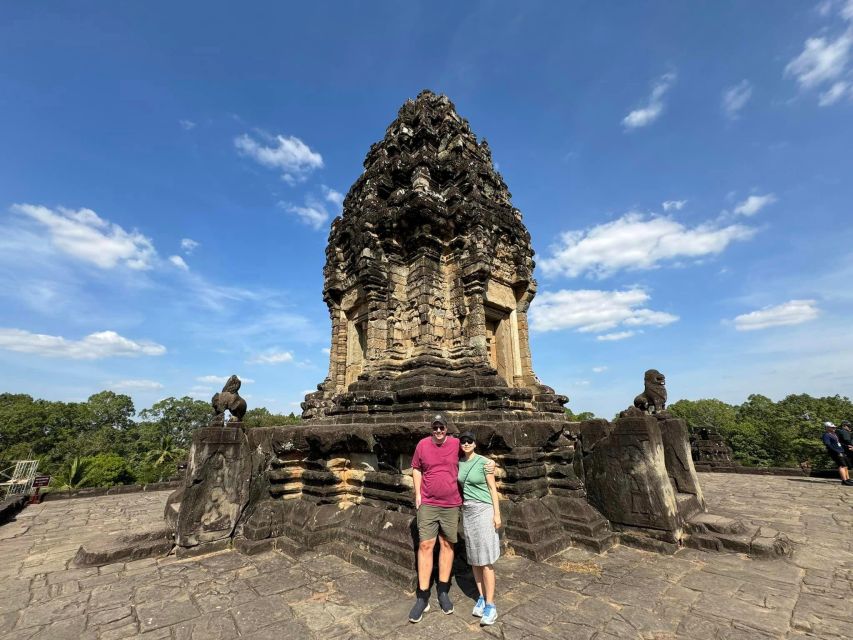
(490, 614)
(479, 607)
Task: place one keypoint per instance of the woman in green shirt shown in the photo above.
(481, 519)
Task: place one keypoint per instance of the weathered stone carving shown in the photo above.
(228, 400)
(653, 398)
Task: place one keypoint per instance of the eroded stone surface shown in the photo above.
(626, 593)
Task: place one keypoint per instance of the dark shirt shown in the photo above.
(832, 443)
(845, 437)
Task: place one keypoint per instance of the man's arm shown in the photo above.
(416, 478)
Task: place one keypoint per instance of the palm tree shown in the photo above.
(166, 451)
(74, 474)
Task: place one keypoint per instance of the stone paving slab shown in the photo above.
(626, 593)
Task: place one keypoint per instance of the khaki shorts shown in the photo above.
(431, 518)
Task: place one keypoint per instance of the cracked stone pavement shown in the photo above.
(625, 593)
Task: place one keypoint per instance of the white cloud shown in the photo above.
(754, 204)
(178, 261)
(136, 385)
(834, 93)
(735, 98)
(103, 344)
(272, 357)
(222, 379)
(289, 154)
(591, 310)
(333, 196)
(313, 213)
(187, 125)
(326, 351)
(86, 236)
(599, 369)
(637, 241)
(847, 10)
(677, 205)
(791, 312)
(821, 61)
(653, 108)
(188, 245)
(612, 337)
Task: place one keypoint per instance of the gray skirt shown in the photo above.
(482, 545)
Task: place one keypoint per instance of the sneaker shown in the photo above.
(479, 607)
(490, 614)
(847, 483)
(420, 608)
(443, 598)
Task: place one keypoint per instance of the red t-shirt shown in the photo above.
(440, 467)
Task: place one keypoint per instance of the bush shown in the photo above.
(106, 470)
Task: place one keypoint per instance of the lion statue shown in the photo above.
(653, 398)
(228, 399)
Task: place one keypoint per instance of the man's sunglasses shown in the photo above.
(439, 427)
(465, 441)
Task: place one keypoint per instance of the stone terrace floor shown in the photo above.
(625, 593)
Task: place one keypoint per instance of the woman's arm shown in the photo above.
(496, 505)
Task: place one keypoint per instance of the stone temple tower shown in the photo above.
(428, 279)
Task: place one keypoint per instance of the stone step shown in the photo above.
(147, 544)
(757, 542)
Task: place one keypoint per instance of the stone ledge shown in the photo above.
(91, 492)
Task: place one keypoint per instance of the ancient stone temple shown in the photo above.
(428, 280)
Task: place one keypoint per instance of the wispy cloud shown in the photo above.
(735, 99)
(674, 205)
(103, 344)
(178, 261)
(272, 357)
(187, 125)
(295, 159)
(595, 311)
(612, 337)
(599, 369)
(313, 212)
(188, 245)
(335, 197)
(653, 108)
(754, 204)
(84, 235)
(637, 241)
(824, 61)
(788, 313)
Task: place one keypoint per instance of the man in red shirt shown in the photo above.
(435, 467)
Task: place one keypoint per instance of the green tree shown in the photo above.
(73, 474)
(261, 417)
(178, 417)
(166, 451)
(107, 470)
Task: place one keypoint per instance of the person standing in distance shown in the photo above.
(836, 451)
(435, 466)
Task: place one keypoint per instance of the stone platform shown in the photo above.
(625, 593)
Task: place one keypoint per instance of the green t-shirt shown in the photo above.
(472, 475)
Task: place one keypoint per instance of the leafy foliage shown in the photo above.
(766, 433)
(103, 441)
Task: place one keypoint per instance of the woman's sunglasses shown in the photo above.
(465, 441)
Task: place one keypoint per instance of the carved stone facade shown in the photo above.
(429, 272)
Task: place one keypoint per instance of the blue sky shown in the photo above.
(169, 172)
